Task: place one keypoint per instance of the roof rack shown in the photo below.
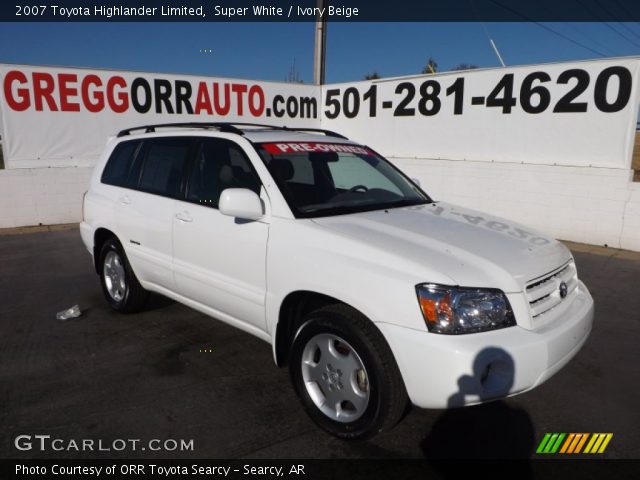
(329, 133)
(222, 126)
(229, 127)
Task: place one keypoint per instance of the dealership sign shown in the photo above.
(576, 114)
(62, 116)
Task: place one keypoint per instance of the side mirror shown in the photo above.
(416, 181)
(240, 203)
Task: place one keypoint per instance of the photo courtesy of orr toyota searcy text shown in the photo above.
(69, 92)
(161, 470)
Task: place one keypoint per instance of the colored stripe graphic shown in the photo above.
(598, 442)
(544, 441)
(591, 442)
(550, 443)
(567, 443)
(606, 442)
(556, 445)
(580, 444)
(573, 443)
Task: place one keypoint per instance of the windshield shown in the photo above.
(323, 179)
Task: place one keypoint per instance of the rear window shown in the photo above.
(116, 172)
(163, 164)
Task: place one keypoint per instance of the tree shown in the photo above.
(372, 76)
(465, 66)
(431, 66)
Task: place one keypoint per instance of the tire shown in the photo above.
(345, 374)
(120, 286)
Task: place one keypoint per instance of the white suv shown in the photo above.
(371, 292)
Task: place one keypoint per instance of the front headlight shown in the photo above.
(459, 310)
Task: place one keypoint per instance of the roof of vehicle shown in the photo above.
(257, 133)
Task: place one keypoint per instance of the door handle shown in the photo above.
(125, 200)
(184, 217)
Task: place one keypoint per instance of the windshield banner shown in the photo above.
(279, 148)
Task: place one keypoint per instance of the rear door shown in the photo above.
(145, 213)
(219, 261)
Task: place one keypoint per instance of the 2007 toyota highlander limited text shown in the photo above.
(373, 294)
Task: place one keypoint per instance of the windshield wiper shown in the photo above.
(404, 203)
(328, 211)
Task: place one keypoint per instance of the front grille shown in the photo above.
(543, 294)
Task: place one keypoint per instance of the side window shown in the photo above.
(116, 171)
(163, 164)
(219, 164)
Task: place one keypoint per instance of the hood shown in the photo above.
(471, 248)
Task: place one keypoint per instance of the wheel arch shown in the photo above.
(293, 308)
(100, 236)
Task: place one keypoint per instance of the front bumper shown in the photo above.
(442, 371)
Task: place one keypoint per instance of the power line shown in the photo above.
(615, 30)
(579, 44)
(549, 29)
(621, 34)
(572, 27)
(628, 29)
(624, 9)
(608, 12)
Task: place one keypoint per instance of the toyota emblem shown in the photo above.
(563, 290)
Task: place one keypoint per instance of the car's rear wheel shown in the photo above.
(120, 286)
(345, 374)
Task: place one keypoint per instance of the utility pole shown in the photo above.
(495, 49)
(493, 44)
(319, 53)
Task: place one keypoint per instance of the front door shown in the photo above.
(220, 261)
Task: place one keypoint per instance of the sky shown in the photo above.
(268, 50)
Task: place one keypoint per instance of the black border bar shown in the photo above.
(360, 469)
(342, 11)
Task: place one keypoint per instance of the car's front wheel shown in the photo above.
(119, 284)
(345, 374)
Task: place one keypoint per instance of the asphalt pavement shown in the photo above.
(173, 373)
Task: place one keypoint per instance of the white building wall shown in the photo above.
(47, 196)
(590, 205)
